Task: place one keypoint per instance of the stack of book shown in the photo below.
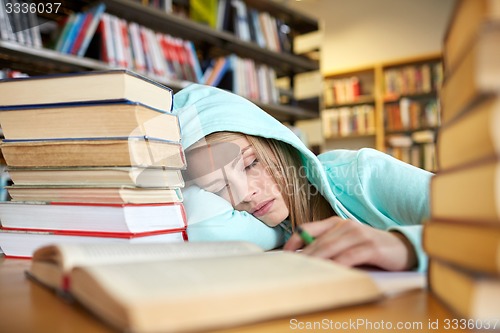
(93, 157)
(462, 237)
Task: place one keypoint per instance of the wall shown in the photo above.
(362, 32)
(358, 33)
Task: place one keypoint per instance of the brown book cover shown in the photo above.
(468, 244)
(476, 74)
(469, 295)
(473, 136)
(467, 193)
(467, 20)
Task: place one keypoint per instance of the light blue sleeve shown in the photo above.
(382, 191)
(211, 218)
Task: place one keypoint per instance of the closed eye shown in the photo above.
(251, 165)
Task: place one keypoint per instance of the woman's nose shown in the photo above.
(243, 188)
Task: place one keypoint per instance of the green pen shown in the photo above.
(305, 236)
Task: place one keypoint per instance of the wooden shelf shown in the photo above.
(410, 130)
(351, 136)
(287, 113)
(360, 100)
(419, 96)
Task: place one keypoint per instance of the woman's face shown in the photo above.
(232, 171)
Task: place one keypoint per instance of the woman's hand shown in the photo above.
(351, 243)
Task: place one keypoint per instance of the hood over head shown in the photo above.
(203, 110)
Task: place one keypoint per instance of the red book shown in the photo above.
(22, 243)
(81, 34)
(127, 219)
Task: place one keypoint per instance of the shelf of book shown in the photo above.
(196, 32)
(411, 109)
(404, 97)
(45, 60)
(208, 43)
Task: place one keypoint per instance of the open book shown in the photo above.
(196, 286)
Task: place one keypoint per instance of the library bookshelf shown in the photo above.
(209, 43)
(391, 106)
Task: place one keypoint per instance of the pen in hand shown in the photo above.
(305, 236)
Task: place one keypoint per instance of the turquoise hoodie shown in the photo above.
(365, 185)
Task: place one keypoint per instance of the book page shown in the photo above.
(68, 256)
(164, 295)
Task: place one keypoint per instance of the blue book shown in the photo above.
(73, 33)
(96, 13)
(65, 31)
(194, 61)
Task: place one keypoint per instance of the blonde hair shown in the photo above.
(282, 161)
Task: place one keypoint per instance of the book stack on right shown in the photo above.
(94, 157)
(462, 237)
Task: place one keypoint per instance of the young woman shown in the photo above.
(252, 179)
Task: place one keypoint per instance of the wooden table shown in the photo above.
(27, 307)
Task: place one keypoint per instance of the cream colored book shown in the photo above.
(102, 152)
(97, 86)
(469, 295)
(98, 176)
(197, 286)
(92, 194)
(88, 120)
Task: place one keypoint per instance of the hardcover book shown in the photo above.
(163, 294)
(88, 120)
(92, 217)
(468, 294)
(23, 243)
(97, 176)
(468, 193)
(473, 136)
(93, 194)
(470, 16)
(112, 85)
(475, 75)
(127, 151)
(473, 245)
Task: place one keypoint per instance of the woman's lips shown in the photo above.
(263, 208)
